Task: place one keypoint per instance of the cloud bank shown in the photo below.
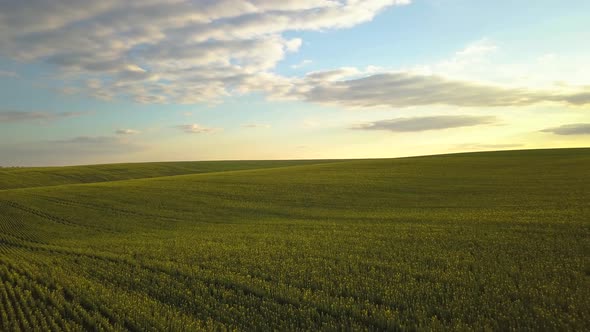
(570, 129)
(200, 51)
(406, 89)
(181, 51)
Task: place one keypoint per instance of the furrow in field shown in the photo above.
(123, 263)
(46, 295)
(90, 312)
(210, 279)
(207, 280)
(52, 218)
(98, 207)
(54, 294)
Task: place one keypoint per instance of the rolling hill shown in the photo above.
(26, 177)
(494, 240)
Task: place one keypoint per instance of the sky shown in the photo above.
(86, 82)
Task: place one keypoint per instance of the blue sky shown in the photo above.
(98, 82)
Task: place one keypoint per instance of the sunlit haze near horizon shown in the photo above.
(85, 82)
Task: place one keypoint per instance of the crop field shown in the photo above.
(11, 178)
(478, 241)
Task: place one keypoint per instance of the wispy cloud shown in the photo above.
(4, 73)
(89, 140)
(18, 116)
(197, 129)
(570, 129)
(331, 75)
(481, 146)
(425, 123)
(74, 150)
(95, 143)
(302, 64)
(127, 132)
(256, 125)
(478, 48)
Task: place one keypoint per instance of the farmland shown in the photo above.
(496, 240)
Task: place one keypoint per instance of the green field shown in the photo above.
(493, 241)
(11, 178)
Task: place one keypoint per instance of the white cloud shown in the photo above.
(486, 60)
(470, 62)
(196, 129)
(293, 45)
(127, 132)
(160, 51)
(200, 51)
(478, 48)
(302, 64)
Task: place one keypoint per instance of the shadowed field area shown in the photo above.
(496, 240)
(26, 177)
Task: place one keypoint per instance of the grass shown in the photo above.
(493, 241)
